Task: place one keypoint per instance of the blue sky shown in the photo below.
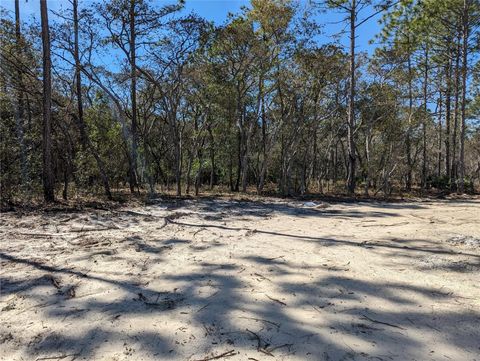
(217, 11)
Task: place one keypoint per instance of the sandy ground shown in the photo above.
(272, 280)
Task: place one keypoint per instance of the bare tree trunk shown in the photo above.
(424, 123)
(19, 113)
(198, 176)
(133, 91)
(344, 157)
(335, 165)
(178, 166)
(66, 171)
(448, 92)
(246, 150)
(351, 104)
(303, 175)
(239, 161)
(212, 157)
(282, 183)
(440, 131)
(87, 144)
(315, 175)
(263, 166)
(152, 175)
(453, 169)
(409, 126)
(230, 171)
(465, 27)
(245, 165)
(48, 178)
(189, 172)
(367, 161)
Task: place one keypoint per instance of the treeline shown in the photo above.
(128, 93)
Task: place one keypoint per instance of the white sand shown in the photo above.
(270, 281)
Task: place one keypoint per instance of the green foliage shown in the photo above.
(257, 100)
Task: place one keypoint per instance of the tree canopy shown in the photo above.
(131, 94)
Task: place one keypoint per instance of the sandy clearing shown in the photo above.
(271, 280)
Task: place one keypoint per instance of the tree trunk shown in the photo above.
(87, 144)
(263, 166)
(344, 157)
(230, 172)
(19, 113)
(198, 176)
(315, 175)
(335, 165)
(465, 27)
(247, 131)
(245, 164)
(453, 169)
(408, 141)
(367, 161)
(424, 123)
(48, 178)
(65, 182)
(351, 104)
(212, 157)
(440, 131)
(152, 175)
(448, 92)
(281, 185)
(133, 94)
(303, 175)
(178, 166)
(189, 172)
(239, 161)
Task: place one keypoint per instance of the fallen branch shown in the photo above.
(202, 308)
(166, 304)
(225, 354)
(196, 232)
(383, 323)
(259, 344)
(259, 340)
(386, 225)
(261, 320)
(48, 235)
(281, 346)
(81, 230)
(266, 352)
(56, 357)
(275, 300)
(262, 277)
(133, 213)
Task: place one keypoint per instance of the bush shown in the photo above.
(440, 183)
